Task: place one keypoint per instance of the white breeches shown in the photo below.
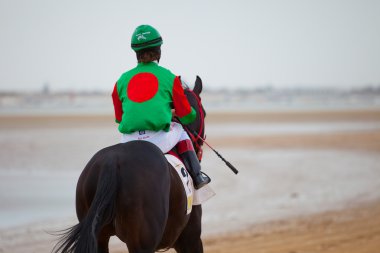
(164, 140)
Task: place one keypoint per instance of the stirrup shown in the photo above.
(205, 180)
(204, 175)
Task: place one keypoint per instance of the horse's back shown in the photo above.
(142, 170)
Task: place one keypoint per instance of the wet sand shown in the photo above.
(352, 225)
(355, 230)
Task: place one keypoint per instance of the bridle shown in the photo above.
(197, 137)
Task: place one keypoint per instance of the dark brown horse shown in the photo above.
(129, 190)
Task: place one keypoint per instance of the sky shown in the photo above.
(85, 44)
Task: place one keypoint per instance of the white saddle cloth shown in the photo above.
(194, 197)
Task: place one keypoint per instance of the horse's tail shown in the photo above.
(82, 238)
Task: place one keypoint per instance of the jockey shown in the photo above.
(144, 97)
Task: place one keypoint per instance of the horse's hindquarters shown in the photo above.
(142, 207)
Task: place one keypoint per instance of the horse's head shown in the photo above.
(197, 128)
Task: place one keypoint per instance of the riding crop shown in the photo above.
(229, 165)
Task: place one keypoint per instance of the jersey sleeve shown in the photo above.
(182, 106)
(117, 105)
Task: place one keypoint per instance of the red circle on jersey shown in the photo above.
(142, 87)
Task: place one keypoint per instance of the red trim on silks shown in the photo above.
(142, 87)
(173, 153)
(117, 104)
(181, 104)
(184, 146)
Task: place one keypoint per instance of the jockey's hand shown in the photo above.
(173, 114)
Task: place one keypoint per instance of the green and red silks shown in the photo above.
(144, 96)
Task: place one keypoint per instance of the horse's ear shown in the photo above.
(198, 86)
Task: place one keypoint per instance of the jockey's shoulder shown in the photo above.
(162, 70)
(165, 70)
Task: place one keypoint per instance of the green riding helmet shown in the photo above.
(145, 36)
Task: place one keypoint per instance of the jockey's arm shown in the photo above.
(117, 104)
(182, 107)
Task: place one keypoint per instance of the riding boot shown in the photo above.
(193, 166)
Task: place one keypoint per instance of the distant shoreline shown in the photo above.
(232, 101)
(67, 119)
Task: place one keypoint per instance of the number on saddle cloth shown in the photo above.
(185, 178)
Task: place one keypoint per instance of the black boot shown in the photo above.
(193, 166)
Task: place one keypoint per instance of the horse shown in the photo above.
(129, 190)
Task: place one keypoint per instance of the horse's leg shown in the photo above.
(190, 239)
(139, 239)
(103, 244)
(139, 228)
(104, 238)
(140, 250)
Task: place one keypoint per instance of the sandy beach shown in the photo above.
(308, 181)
